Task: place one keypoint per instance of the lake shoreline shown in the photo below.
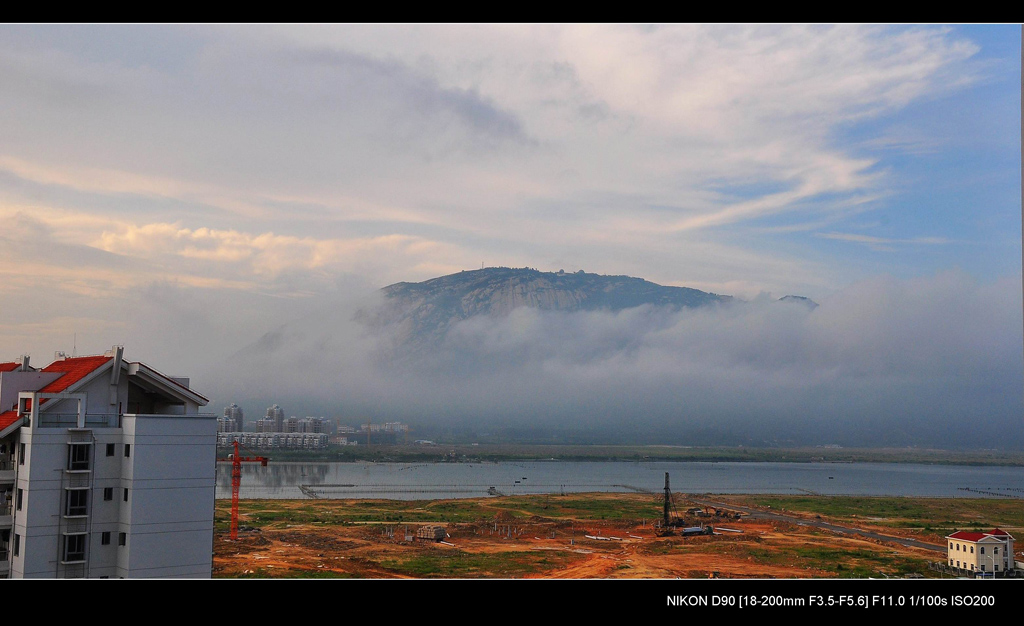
(505, 453)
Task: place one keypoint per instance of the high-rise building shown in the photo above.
(276, 415)
(107, 470)
(234, 413)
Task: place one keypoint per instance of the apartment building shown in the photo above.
(107, 470)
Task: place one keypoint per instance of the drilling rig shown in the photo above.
(672, 520)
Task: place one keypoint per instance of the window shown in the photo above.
(982, 550)
(127, 450)
(74, 547)
(108, 493)
(17, 544)
(77, 501)
(958, 547)
(122, 539)
(126, 494)
(105, 538)
(972, 549)
(995, 550)
(110, 449)
(21, 454)
(982, 567)
(21, 496)
(78, 456)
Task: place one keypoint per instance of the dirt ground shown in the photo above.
(505, 545)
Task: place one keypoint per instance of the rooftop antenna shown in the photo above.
(481, 265)
(74, 347)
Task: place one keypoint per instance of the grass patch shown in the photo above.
(457, 564)
(843, 563)
(937, 513)
(592, 507)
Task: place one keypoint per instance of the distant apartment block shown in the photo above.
(107, 470)
(386, 433)
(263, 441)
(276, 424)
(386, 427)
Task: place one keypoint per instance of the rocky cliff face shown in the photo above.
(431, 307)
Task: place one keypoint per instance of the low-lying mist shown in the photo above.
(885, 362)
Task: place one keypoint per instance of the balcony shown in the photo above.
(7, 469)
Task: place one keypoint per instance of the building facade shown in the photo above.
(107, 470)
(981, 553)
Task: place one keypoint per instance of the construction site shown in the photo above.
(597, 535)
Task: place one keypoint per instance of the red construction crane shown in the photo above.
(236, 482)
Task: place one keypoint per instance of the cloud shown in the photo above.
(267, 256)
(884, 362)
(191, 189)
(475, 120)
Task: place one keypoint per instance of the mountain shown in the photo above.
(807, 302)
(431, 307)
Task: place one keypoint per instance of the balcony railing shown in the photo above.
(100, 420)
(70, 420)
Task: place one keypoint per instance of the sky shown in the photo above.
(184, 190)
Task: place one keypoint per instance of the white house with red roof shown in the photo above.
(981, 553)
(107, 470)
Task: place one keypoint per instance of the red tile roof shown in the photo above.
(75, 369)
(966, 536)
(9, 367)
(8, 418)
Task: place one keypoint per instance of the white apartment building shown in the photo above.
(107, 470)
(981, 553)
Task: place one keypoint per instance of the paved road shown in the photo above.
(779, 517)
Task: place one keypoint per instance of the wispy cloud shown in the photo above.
(883, 243)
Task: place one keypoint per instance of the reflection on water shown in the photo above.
(409, 481)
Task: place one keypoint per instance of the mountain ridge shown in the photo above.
(430, 307)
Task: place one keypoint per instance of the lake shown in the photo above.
(421, 481)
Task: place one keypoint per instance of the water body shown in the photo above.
(421, 481)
